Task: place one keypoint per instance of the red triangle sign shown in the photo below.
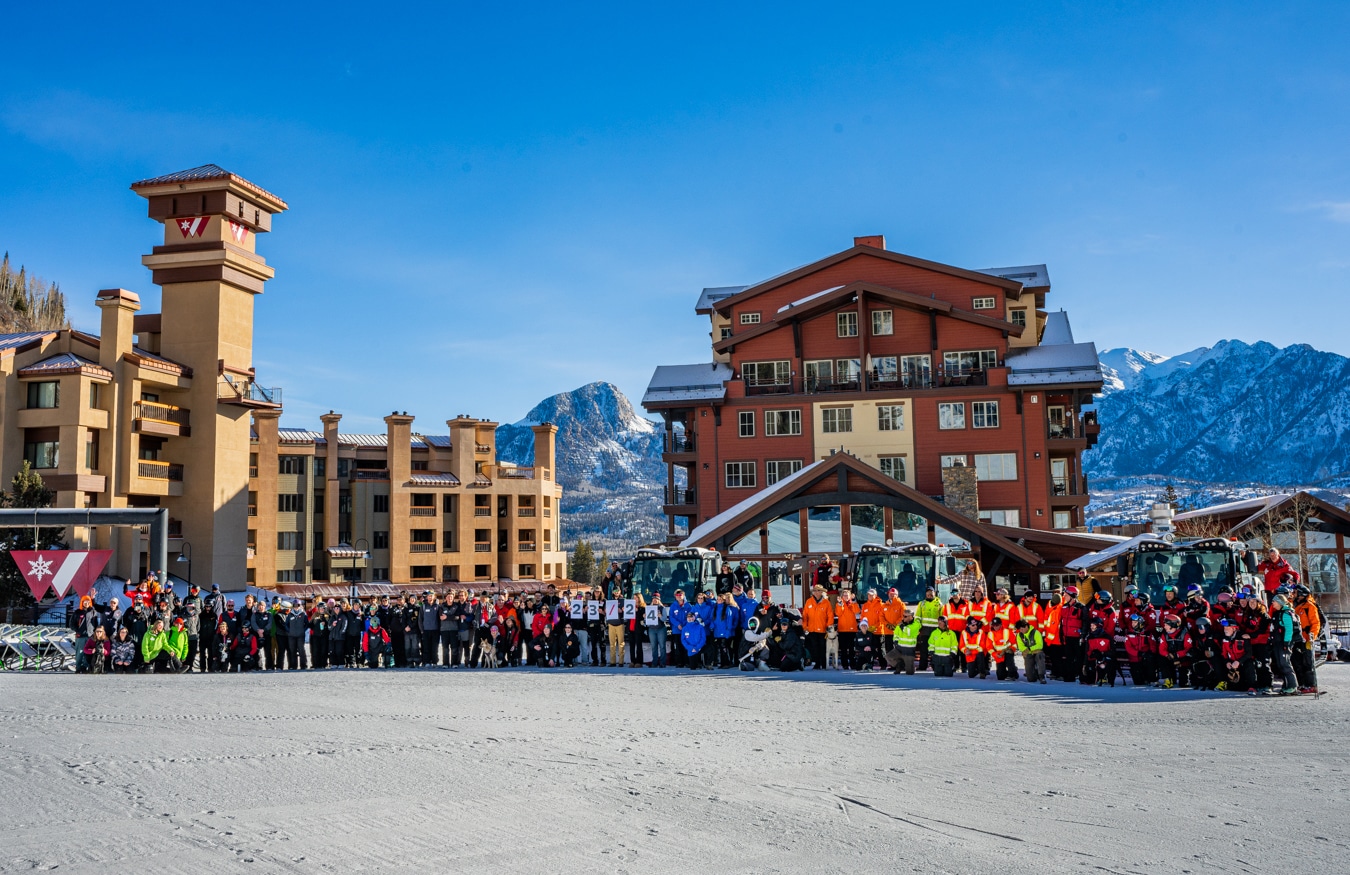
(60, 570)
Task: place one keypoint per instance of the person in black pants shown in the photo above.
(431, 628)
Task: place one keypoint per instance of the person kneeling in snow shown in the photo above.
(1099, 666)
(694, 637)
(375, 643)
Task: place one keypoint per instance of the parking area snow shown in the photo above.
(663, 771)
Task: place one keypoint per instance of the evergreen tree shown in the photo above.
(27, 303)
(26, 491)
(601, 567)
(582, 568)
(1171, 497)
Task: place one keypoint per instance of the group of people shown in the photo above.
(1243, 641)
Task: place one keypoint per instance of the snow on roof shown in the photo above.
(798, 303)
(1101, 557)
(711, 296)
(1054, 363)
(701, 382)
(766, 494)
(1057, 329)
(1031, 276)
(1251, 505)
(63, 363)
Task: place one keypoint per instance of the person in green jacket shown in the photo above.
(943, 646)
(928, 611)
(157, 650)
(906, 637)
(1031, 644)
(178, 642)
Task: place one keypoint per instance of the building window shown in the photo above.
(836, 420)
(449, 504)
(423, 499)
(526, 572)
(957, 461)
(766, 373)
(740, 475)
(952, 415)
(379, 574)
(996, 466)
(379, 504)
(961, 363)
(95, 395)
(891, 417)
(46, 394)
(1018, 317)
(290, 576)
(746, 421)
(985, 303)
(252, 503)
(448, 542)
(847, 323)
(379, 540)
(749, 318)
(726, 332)
(422, 572)
(1063, 519)
(318, 502)
(1001, 517)
(779, 423)
(828, 373)
(422, 536)
(419, 465)
(892, 466)
(288, 503)
(91, 450)
(320, 466)
(290, 464)
(344, 502)
(288, 540)
(916, 371)
(984, 414)
(482, 572)
(882, 323)
(42, 454)
(775, 471)
(449, 574)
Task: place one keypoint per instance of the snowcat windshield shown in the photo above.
(666, 576)
(911, 575)
(1180, 568)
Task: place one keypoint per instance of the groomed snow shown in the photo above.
(660, 771)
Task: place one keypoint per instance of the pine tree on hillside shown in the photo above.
(1171, 497)
(601, 567)
(582, 568)
(27, 491)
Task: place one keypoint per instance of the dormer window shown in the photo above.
(749, 318)
(985, 303)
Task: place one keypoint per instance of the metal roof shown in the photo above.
(702, 382)
(712, 295)
(1055, 363)
(1262, 503)
(64, 363)
(1031, 276)
(13, 341)
(422, 478)
(202, 174)
(1101, 557)
(299, 436)
(808, 298)
(1057, 329)
(305, 436)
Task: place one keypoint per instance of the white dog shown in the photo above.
(832, 648)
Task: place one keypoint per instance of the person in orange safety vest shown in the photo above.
(975, 649)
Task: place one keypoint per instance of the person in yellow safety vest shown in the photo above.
(1031, 644)
(943, 645)
(1002, 646)
(928, 611)
(906, 637)
(975, 649)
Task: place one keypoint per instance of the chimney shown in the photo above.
(961, 491)
(117, 328)
(876, 241)
(545, 441)
(332, 488)
(398, 428)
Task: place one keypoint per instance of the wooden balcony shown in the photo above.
(164, 420)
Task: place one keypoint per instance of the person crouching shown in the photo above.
(901, 657)
(375, 643)
(1031, 644)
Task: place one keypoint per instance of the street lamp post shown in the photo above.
(364, 554)
(185, 555)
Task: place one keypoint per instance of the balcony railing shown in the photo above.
(422, 547)
(526, 547)
(525, 511)
(241, 391)
(482, 448)
(370, 474)
(162, 413)
(966, 378)
(515, 473)
(482, 511)
(756, 388)
(1068, 486)
(421, 511)
(676, 443)
(152, 469)
(819, 386)
(482, 547)
(680, 496)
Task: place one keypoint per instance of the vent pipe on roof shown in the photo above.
(876, 241)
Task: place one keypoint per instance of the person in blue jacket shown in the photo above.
(678, 614)
(703, 609)
(694, 636)
(747, 604)
(726, 628)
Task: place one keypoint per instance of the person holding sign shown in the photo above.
(655, 621)
(614, 623)
(633, 611)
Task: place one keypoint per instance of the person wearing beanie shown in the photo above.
(1031, 644)
(375, 643)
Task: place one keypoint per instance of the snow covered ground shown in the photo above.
(663, 771)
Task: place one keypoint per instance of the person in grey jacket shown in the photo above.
(296, 623)
(431, 628)
(190, 609)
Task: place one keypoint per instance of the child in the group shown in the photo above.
(1099, 665)
(375, 643)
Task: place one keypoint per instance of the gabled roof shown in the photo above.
(65, 363)
(1237, 516)
(824, 302)
(843, 478)
(12, 343)
(139, 356)
(711, 296)
(1011, 288)
(673, 383)
(1031, 276)
(205, 173)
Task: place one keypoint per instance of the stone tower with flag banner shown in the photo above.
(210, 272)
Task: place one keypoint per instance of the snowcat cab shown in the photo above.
(910, 568)
(692, 569)
(1213, 563)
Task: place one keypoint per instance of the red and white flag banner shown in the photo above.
(192, 226)
(61, 570)
(238, 232)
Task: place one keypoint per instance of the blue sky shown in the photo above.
(490, 204)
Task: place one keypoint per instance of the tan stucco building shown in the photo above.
(400, 507)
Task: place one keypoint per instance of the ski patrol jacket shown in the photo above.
(1033, 613)
(872, 612)
(928, 611)
(1049, 625)
(1001, 644)
(1030, 641)
(376, 638)
(1236, 649)
(1138, 645)
(1073, 619)
(956, 612)
(907, 634)
(1177, 646)
(943, 642)
(152, 643)
(1255, 625)
(1273, 571)
(983, 610)
(973, 644)
(892, 614)
(1105, 614)
(817, 615)
(846, 616)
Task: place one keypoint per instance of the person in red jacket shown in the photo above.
(1136, 602)
(374, 643)
(1174, 652)
(1171, 605)
(1139, 651)
(1101, 610)
(1004, 607)
(1099, 663)
(1272, 568)
(1072, 624)
(1254, 625)
(1002, 648)
(1237, 659)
